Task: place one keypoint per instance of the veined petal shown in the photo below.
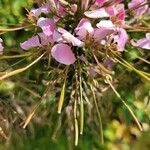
(47, 25)
(45, 39)
(101, 33)
(35, 12)
(43, 9)
(63, 54)
(68, 37)
(84, 28)
(57, 37)
(121, 38)
(30, 43)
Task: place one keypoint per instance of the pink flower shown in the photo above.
(30, 43)
(84, 28)
(119, 35)
(43, 9)
(106, 27)
(1, 46)
(139, 6)
(63, 54)
(69, 38)
(142, 43)
(47, 25)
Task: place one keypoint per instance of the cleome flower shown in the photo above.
(80, 42)
(102, 22)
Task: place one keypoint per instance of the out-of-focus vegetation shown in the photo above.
(20, 94)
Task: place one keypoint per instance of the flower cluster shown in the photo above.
(85, 39)
(101, 22)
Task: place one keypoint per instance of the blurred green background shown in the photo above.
(47, 130)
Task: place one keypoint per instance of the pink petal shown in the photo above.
(63, 54)
(45, 39)
(99, 13)
(35, 12)
(111, 10)
(142, 43)
(30, 43)
(68, 37)
(121, 38)
(43, 9)
(101, 33)
(57, 37)
(47, 25)
(121, 12)
(117, 13)
(105, 24)
(84, 28)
